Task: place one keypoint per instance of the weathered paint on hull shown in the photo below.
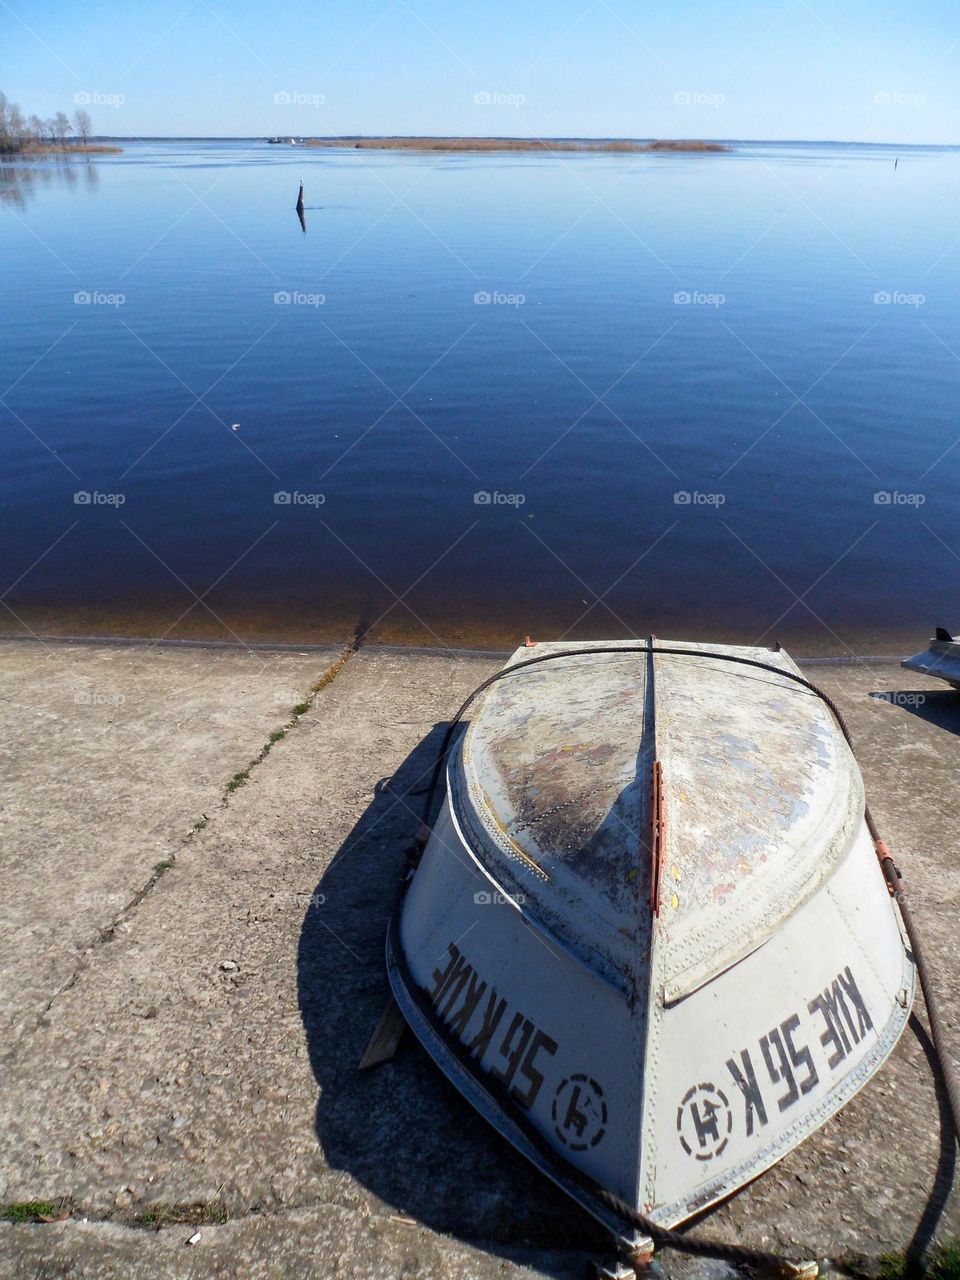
(670, 1099)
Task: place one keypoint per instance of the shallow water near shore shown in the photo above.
(482, 395)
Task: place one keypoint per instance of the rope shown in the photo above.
(736, 1254)
(933, 1009)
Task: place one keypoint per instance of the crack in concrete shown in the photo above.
(72, 1211)
(107, 933)
(299, 711)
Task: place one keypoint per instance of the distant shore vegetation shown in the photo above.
(517, 144)
(59, 134)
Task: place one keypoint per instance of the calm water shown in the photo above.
(583, 398)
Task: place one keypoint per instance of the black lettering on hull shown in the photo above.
(458, 997)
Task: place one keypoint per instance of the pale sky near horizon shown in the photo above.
(863, 70)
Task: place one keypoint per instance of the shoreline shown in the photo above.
(451, 625)
(67, 148)
(41, 149)
(521, 145)
(412, 648)
(457, 625)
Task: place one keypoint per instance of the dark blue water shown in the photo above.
(780, 399)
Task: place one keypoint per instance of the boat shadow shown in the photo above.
(940, 707)
(402, 1130)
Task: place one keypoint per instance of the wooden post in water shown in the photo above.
(300, 201)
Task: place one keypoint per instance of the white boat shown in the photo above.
(649, 938)
(940, 659)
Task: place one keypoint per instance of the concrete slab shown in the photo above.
(109, 756)
(205, 1056)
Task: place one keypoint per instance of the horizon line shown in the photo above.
(504, 137)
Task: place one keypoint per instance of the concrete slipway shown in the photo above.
(190, 973)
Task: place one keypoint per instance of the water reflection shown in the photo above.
(21, 181)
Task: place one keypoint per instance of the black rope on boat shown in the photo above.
(736, 1254)
(947, 1073)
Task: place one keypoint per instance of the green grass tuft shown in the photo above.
(942, 1263)
(191, 1215)
(30, 1210)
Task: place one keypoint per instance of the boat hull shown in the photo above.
(669, 1101)
(778, 1043)
(941, 659)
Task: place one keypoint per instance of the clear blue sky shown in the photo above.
(872, 70)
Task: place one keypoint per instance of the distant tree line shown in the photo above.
(18, 131)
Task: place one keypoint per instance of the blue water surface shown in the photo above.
(482, 395)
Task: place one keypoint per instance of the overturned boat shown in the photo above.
(649, 938)
(940, 659)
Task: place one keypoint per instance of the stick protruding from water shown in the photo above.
(300, 200)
